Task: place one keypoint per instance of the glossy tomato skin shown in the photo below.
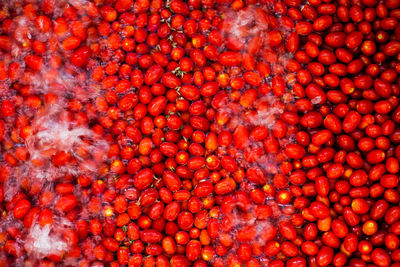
(200, 132)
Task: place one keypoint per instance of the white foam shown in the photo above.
(40, 242)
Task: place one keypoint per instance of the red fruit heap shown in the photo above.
(200, 133)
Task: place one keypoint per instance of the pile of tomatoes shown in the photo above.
(200, 133)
